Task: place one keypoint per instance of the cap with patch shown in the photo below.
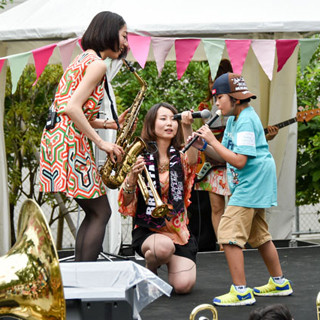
(233, 85)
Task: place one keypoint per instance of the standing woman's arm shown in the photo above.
(93, 76)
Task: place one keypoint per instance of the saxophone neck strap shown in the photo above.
(106, 86)
(113, 111)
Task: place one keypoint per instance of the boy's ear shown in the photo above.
(238, 102)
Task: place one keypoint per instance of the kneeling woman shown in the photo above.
(164, 240)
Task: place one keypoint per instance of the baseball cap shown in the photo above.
(233, 85)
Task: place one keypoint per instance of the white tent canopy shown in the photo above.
(35, 23)
(54, 19)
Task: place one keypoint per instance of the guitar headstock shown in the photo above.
(307, 115)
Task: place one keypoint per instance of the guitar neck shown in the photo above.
(282, 124)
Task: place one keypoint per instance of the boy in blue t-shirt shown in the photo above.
(253, 184)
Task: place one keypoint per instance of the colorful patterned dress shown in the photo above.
(66, 158)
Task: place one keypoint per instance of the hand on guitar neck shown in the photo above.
(303, 116)
(272, 131)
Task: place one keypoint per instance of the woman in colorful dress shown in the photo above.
(164, 240)
(66, 159)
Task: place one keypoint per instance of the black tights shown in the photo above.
(91, 232)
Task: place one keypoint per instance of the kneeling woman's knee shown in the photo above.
(164, 250)
(183, 285)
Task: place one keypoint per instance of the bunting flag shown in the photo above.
(17, 64)
(1, 63)
(307, 49)
(161, 47)
(79, 44)
(139, 47)
(66, 48)
(285, 49)
(238, 50)
(185, 49)
(41, 57)
(265, 51)
(214, 51)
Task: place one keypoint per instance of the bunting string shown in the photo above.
(267, 52)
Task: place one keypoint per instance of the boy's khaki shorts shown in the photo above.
(240, 225)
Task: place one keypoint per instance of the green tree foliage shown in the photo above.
(308, 155)
(184, 94)
(25, 115)
(3, 3)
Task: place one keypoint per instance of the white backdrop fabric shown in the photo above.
(36, 23)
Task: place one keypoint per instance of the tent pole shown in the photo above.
(5, 242)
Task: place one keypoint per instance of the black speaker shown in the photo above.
(200, 223)
(78, 309)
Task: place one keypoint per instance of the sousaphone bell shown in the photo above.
(30, 279)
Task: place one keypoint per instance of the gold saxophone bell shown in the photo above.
(30, 279)
(202, 307)
(161, 209)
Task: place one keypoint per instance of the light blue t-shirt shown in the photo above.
(255, 185)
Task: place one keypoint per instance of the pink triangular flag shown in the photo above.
(79, 44)
(161, 47)
(265, 51)
(238, 50)
(41, 57)
(285, 49)
(185, 49)
(1, 63)
(66, 48)
(139, 46)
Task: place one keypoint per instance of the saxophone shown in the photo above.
(113, 174)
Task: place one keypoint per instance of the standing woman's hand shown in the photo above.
(123, 116)
(111, 124)
(115, 152)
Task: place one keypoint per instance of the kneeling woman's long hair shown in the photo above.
(148, 133)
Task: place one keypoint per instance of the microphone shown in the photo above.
(199, 114)
(209, 123)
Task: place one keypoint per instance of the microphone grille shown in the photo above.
(205, 114)
(218, 113)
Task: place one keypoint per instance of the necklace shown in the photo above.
(163, 167)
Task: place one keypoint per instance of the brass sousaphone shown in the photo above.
(30, 279)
